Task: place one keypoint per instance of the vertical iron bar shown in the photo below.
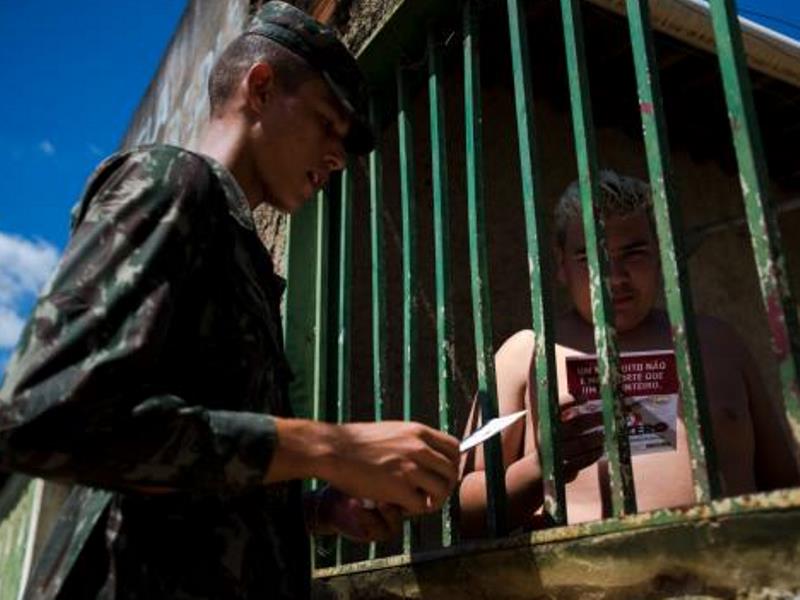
(666, 208)
(319, 389)
(479, 268)
(408, 210)
(378, 281)
(441, 248)
(617, 448)
(378, 274)
(761, 218)
(543, 365)
(287, 292)
(343, 335)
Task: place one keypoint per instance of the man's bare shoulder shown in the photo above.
(517, 347)
(520, 346)
(521, 341)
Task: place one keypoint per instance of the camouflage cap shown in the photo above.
(318, 45)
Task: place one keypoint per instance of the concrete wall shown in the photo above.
(175, 107)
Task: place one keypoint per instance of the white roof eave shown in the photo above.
(767, 51)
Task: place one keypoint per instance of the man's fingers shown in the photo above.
(431, 486)
(442, 442)
(411, 500)
(390, 513)
(392, 519)
(374, 526)
(574, 464)
(582, 422)
(432, 460)
(588, 442)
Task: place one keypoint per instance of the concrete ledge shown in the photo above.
(748, 547)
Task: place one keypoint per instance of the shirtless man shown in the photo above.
(752, 447)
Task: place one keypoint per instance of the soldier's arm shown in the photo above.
(75, 405)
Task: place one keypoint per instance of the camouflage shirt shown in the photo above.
(152, 363)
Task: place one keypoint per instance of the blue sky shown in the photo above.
(73, 73)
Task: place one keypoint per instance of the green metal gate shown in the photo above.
(319, 303)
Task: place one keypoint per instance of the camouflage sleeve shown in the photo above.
(74, 405)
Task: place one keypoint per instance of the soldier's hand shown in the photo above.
(408, 465)
(338, 513)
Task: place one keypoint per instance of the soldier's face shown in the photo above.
(634, 268)
(302, 143)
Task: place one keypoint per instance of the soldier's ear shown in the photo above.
(259, 86)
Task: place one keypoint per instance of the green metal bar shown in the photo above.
(299, 310)
(408, 210)
(378, 281)
(343, 337)
(544, 366)
(319, 392)
(479, 268)
(288, 292)
(441, 250)
(666, 208)
(320, 547)
(378, 275)
(761, 217)
(623, 496)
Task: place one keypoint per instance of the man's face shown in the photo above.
(300, 143)
(634, 268)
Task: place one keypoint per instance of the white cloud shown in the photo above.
(96, 150)
(25, 266)
(11, 325)
(47, 147)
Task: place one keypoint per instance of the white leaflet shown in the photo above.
(491, 428)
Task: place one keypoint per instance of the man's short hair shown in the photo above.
(246, 50)
(619, 196)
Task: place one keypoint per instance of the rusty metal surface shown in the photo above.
(778, 501)
(732, 548)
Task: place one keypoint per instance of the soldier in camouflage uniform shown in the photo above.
(152, 370)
